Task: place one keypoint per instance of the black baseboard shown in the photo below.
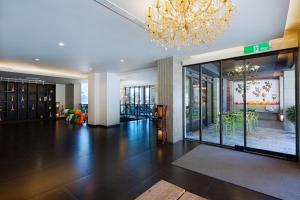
(103, 126)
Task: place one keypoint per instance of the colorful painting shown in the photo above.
(263, 92)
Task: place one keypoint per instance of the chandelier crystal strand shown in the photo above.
(180, 23)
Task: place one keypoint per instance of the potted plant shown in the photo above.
(291, 114)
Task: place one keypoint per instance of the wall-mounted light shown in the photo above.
(281, 117)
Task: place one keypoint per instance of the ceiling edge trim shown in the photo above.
(121, 12)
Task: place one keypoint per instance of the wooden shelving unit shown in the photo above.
(26, 101)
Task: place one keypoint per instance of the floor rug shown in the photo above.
(271, 176)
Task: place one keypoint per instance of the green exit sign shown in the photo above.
(257, 48)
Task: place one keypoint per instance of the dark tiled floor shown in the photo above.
(58, 161)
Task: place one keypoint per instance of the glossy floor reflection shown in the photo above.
(59, 161)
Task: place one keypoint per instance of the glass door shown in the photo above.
(248, 104)
(210, 102)
(271, 103)
(192, 102)
(233, 103)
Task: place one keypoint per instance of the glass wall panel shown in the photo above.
(142, 95)
(153, 95)
(256, 98)
(210, 104)
(131, 95)
(137, 95)
(84, 93)
(127, 95)
(233, 102)
(135, 101)
(147, 94)
(192, 102)
(271, 101)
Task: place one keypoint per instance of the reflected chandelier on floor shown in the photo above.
(186, 23)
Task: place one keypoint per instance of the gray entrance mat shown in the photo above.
(271, 176)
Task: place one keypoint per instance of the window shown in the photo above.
(138, 101)
(84, 93)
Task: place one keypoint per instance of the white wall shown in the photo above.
(77, 95)
(139, 77)
(61, 94)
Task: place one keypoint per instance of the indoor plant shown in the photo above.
(291, 114)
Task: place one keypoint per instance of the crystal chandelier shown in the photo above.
(239, 72)
(181, 23)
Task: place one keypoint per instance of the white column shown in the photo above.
(104, 99)
(94, 99)
(170, 94)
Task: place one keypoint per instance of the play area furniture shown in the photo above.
(75, 116)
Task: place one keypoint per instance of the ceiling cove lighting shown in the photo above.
(186, 23)
(39, 70)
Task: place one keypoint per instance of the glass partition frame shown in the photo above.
(244, 146)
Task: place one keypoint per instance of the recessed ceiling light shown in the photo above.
(37, 59)
(61, 44)
(122, 60)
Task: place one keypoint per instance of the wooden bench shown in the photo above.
(164, 190)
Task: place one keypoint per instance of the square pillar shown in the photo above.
(104, 99)
(170, 94)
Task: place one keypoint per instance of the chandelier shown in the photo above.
(181, 23)
(239, 72)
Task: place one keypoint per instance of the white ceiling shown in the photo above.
(98, 38)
